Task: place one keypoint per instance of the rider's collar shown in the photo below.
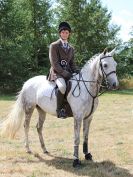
(63, 42)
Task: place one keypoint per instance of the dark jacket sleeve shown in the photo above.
(54, 60)
(73, 64)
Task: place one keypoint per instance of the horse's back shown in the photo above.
(35, 81)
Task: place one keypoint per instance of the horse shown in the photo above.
(85, 86)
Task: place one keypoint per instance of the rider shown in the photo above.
(61, 55)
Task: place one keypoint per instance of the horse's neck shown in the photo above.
(91, 73)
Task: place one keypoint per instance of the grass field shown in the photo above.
(111, 143)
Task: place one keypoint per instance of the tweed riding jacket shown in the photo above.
(62, 61)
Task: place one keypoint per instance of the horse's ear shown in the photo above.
(112, 52)
(105, 51)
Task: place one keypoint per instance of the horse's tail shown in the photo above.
(12, 124)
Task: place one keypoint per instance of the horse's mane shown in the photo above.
(91, 60)
(93, 57)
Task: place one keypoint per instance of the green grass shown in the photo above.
(122, 92)
(7, 97)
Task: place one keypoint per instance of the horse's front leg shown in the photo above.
(77, 126)
(86, 125)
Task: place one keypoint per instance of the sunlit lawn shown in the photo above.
(111, 143)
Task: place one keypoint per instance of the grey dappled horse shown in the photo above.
(83, 99)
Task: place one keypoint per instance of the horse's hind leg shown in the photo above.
(28, 114)
(42, 116)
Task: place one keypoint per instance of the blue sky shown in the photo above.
(122, 14)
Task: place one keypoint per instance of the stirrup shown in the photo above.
(61, 114)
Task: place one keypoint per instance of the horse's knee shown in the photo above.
(77, 141)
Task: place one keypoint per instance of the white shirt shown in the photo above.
(63, 43)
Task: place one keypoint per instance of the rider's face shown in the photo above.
(64, 34)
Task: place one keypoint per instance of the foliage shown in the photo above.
(125, 59)
(24, 34)
(28, 27)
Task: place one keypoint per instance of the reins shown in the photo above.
(84, 81)
(80, 79)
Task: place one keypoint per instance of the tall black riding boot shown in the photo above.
(60, 110)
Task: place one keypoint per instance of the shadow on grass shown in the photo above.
(91, 169)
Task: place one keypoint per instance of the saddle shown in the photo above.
(51, 91)
(66, 105)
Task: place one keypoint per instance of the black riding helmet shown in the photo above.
(64, 26)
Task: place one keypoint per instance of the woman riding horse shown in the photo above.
(61, 55)
(82, 98)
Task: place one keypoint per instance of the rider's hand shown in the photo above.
(77, 71)
(68, 75)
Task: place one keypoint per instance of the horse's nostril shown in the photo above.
(114, 84)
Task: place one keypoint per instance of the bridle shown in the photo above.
(104, 75)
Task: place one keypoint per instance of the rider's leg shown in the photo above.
(60, 97)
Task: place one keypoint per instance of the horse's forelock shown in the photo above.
(105, 51)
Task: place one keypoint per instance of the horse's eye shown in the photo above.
(105, 65)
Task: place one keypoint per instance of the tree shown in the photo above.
(125, 58)
(41, 16)
(92, 31)
(25, 36)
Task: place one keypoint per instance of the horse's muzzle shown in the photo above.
(114, 86)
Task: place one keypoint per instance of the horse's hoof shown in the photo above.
(88, 156)
(76, 163)
(46, 152)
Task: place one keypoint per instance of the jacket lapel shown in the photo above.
(61, 46)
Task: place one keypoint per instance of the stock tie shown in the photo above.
(65, 46)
